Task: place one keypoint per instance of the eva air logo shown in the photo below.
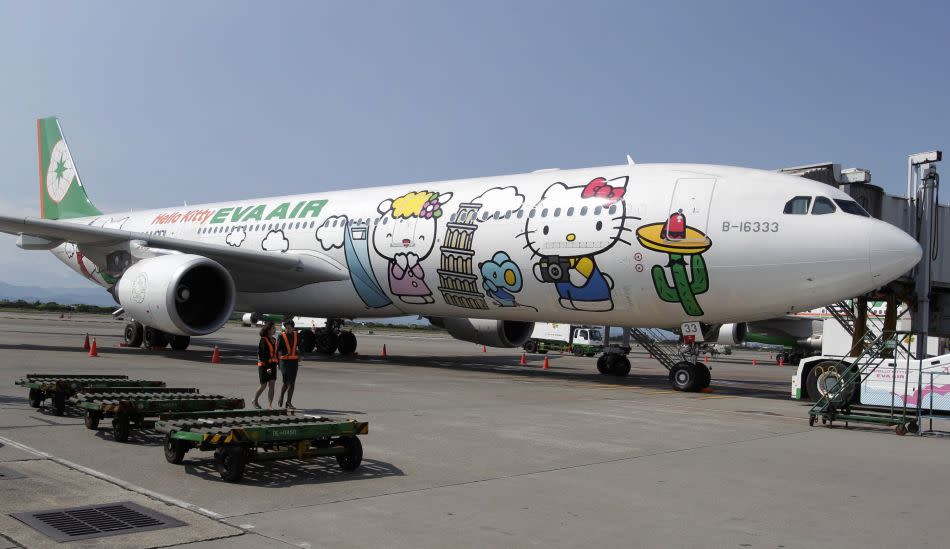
(61, 172)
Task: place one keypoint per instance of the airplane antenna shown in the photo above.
(630, 161)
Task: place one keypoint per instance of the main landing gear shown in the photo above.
(136, 335)
(328, 340)
(686, 372)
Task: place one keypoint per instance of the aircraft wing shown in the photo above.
(252, 270)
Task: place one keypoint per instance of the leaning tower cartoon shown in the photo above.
(457, 280)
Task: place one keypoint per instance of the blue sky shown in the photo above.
(200, 101)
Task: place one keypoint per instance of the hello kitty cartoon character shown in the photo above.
(567, 229)
(405, 236)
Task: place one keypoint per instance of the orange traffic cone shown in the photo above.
(651, 355)
(484, 349)
(93, 351)
(781, 362)
(545, 366)
(524, 359)
(216, 355)
(706, 359)
(383, 354)
(753, 362)
(85, 345)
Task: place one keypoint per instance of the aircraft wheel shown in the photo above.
(687, 377)
(617, 365)
(346, 343)
(602, 364)
(133, 334)
(180, 343)
(531, 346)
(305, 340)
(325, 342)
(154, 337)
(705, 373)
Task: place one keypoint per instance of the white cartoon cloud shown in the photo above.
(236, 238)
(501, 199)
(330, 235)
(69, 249)
(275, 241)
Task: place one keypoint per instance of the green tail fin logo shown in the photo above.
(62, 195)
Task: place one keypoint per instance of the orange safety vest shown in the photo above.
(271, 351)
(292, 349)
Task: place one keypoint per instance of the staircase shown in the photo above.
(668, 352)
(841, 382)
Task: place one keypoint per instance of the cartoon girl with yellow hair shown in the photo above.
(405, 236)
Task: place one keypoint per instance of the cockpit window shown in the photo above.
(798, 205)
(822, 206)
(851, 207)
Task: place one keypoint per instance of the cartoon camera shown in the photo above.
(554, 268)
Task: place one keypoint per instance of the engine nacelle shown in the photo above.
(180, 294)
(493, 333)
(730, 334)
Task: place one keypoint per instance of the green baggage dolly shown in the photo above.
(139, 406)
(240, 436)
(60, 387)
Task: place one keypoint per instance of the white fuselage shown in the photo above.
(631, 245)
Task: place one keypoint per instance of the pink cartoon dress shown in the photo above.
(408, 283)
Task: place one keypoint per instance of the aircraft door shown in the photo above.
(692, 198)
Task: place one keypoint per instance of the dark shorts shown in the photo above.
(264, 376)
(288, 371)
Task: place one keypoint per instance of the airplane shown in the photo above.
(633, 245)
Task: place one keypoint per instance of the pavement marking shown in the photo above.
(707, 397)
(113, 480)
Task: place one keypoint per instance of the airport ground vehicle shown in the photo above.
(580, 340)
(241, 436)
(60, 387)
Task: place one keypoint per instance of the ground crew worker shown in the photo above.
(289, 360)
(266, 364)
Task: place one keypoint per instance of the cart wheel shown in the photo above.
(174, 449)
(913, 427)
(59, 403)
(354, 452)
(36, 398)
(230, 462)
(92, 419)
(900, 430)
(811, 421)
(121, 428)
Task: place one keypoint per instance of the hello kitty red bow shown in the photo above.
(599, 188)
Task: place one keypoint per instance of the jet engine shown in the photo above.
(729, 334)
(180, 294)
(493, 333)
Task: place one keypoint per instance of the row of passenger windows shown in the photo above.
(800, 206)
(468, 216)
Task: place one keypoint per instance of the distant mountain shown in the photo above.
(66, 296)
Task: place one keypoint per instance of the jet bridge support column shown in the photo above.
(925, 201)
(860, 326)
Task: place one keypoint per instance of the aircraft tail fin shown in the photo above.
(62, 195)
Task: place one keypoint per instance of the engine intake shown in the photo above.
(178, 293)
(493, 333)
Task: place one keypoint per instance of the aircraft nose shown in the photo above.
(891, 252)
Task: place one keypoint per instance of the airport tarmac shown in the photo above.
(469, 449)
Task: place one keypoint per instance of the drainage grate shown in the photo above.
(96, 521)
(6, 474)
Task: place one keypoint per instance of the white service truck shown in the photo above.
(899, 380)
(580, 340)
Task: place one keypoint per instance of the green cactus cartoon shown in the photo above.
(683, 290)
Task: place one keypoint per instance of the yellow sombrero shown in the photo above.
(696, 242)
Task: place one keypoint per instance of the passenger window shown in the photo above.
(557, 212)
(520, 214)
(822, 206)
(584, 210)
(851, 207)
(798, 205)
(570, 212)
(544, 212)
(484, 216)
(531, 214)
(612, 210)
(597, 210)
(496, 216)
(452, 218)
